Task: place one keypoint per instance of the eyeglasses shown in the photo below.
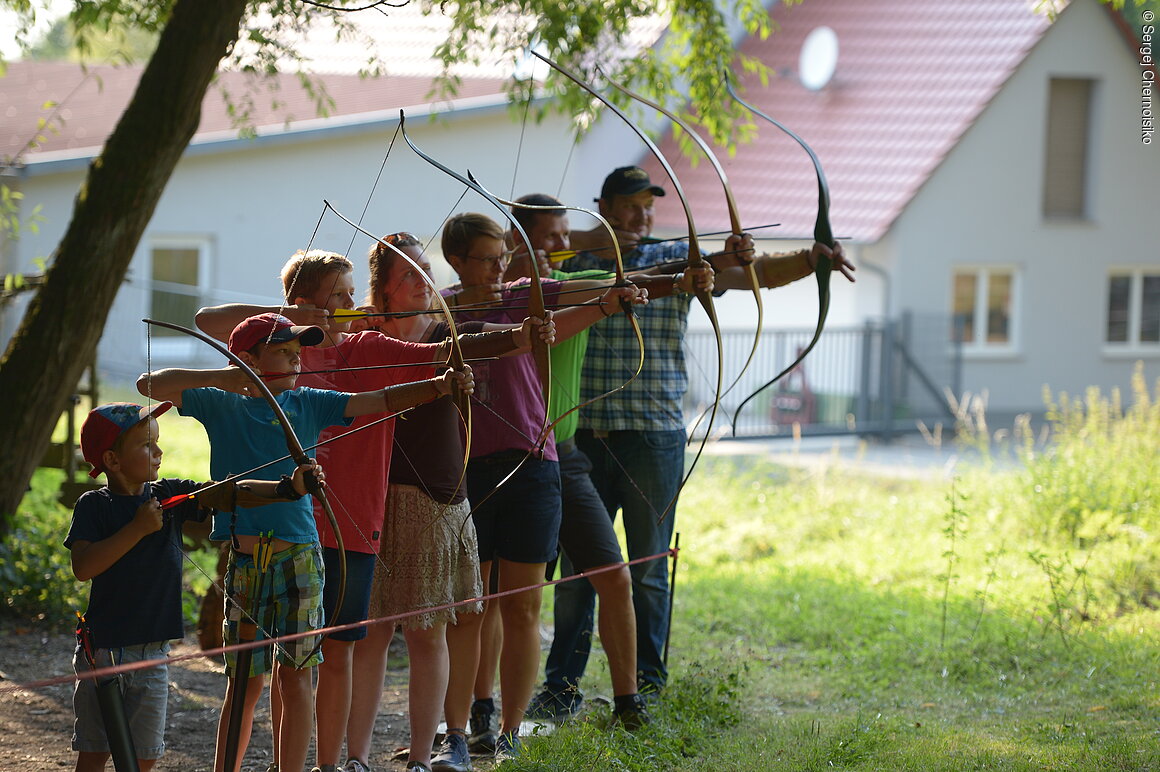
(494, 260)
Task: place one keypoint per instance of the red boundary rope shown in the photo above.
(150, 663)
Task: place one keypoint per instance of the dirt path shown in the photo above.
(36, 726)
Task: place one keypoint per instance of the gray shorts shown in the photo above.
(146, 694)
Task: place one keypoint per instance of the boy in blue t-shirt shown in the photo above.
(285, 597)
(126, 538)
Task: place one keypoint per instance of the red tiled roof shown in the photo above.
(912, 76)
(92, 104)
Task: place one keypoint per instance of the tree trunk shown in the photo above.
(64, 322)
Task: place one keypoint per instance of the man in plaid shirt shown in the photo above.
(636, 437)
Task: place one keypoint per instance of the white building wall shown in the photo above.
(983, 206)
(255, 203)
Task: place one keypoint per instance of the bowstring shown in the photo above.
(597, 330)
(180, 545)
(351, 522)
(520, 144)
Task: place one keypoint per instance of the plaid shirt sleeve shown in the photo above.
(653, 401)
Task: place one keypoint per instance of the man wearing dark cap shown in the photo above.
(627, 181)
(635, 438)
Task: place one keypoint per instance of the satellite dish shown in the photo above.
(819, 58)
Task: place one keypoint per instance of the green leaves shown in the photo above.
(681, 71)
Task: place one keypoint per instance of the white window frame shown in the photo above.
(183, 347)
(980, 346)
(1133, 346)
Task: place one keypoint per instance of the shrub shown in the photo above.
(36, 580)
(1097, 482)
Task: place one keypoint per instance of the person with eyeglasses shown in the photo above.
(517, 523)
(428, 558)
(587, 538)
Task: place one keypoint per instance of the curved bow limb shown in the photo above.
(734, 226)
(536, 305)
(294, 447)
(455, 358)
(823, 234)
(694, 258)
(621, 281)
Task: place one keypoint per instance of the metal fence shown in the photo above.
(880, 378)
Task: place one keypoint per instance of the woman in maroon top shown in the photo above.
(429, 556)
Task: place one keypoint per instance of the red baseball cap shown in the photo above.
(272, 328)
(105, 424)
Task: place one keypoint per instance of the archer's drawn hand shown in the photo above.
(597, 241)
(365, 323)
(451, 379)
(738, 251)
(479, 295)
(622, 297)
(520, 265)
(148, 517)
(697, 279)
(235, 380)
(305, 313)
(311, 467)
(837, 255)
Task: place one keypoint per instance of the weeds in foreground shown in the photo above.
(955, 526)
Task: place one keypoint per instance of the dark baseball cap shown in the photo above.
(627, 181)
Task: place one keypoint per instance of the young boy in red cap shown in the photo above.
(126, 538)
(243, 433)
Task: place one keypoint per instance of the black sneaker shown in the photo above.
(632, 717)
(556, 708)
(483, 727)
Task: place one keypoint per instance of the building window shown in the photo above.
(984, 307)
(1133, 318)
(1066, 164)
(177, 269)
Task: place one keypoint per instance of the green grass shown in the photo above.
(1002, 620)
(827, 599)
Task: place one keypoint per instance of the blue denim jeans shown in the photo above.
(637, 473)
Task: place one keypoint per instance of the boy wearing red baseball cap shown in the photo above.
(126, 538)
(244, 433)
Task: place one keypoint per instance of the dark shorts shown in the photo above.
(586, 532)
(360, 570)
(520, 522)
